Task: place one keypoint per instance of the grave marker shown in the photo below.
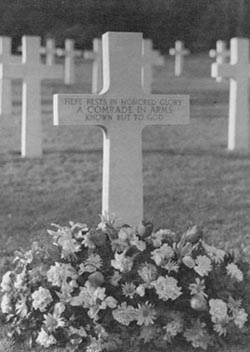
(238, 71)
(69, 63)
(221, 54)
(122, 110)
(69, 54)
(32, 72)
(151, 58)
(5, 83)
(96, 57)
(50, 51)
(179, 52)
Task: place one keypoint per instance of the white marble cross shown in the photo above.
(179, 52)
(96, 57)
(122, 110)
(239, 72)
(151, 58)
(32, 72)
(69, 52)
(5, 83)
(50, 51)
(69, 63)
(221, 54)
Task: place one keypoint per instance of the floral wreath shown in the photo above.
(108, 287)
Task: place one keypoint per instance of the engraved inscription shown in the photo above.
(125, 109)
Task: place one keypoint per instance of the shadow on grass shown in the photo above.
(215, 153)
(221, 154)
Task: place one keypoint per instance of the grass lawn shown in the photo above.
(189, 176)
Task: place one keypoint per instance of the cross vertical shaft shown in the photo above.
(69, 61)
(122, 162)
(50, 51)
(5, 83)
(122, 174)
(97, 66)
(31, 133)
(122, 69)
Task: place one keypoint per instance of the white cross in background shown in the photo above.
(96, 57)
(69, 52)
(50, 51)
(220, 53)
(5, 83)
(151, 58)
(179, 52)
(238, 70)
(32, 72)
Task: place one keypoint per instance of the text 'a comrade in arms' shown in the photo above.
(97, 109)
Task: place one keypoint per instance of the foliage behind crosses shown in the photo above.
(198, 23)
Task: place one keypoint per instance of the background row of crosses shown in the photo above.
(122, 87)
(33, 72)
(151, 57)
(69, 52)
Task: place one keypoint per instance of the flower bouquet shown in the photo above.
(109, 288)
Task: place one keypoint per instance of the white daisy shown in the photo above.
(145, 314)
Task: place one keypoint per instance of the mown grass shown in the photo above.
(189, 176)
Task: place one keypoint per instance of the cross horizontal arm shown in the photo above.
(83, 109)
(52, 72)
(213, 53)
(181, 52)
(40, 71)
(62, 52)
(89, 55)
(13, 70)
(223, 70)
